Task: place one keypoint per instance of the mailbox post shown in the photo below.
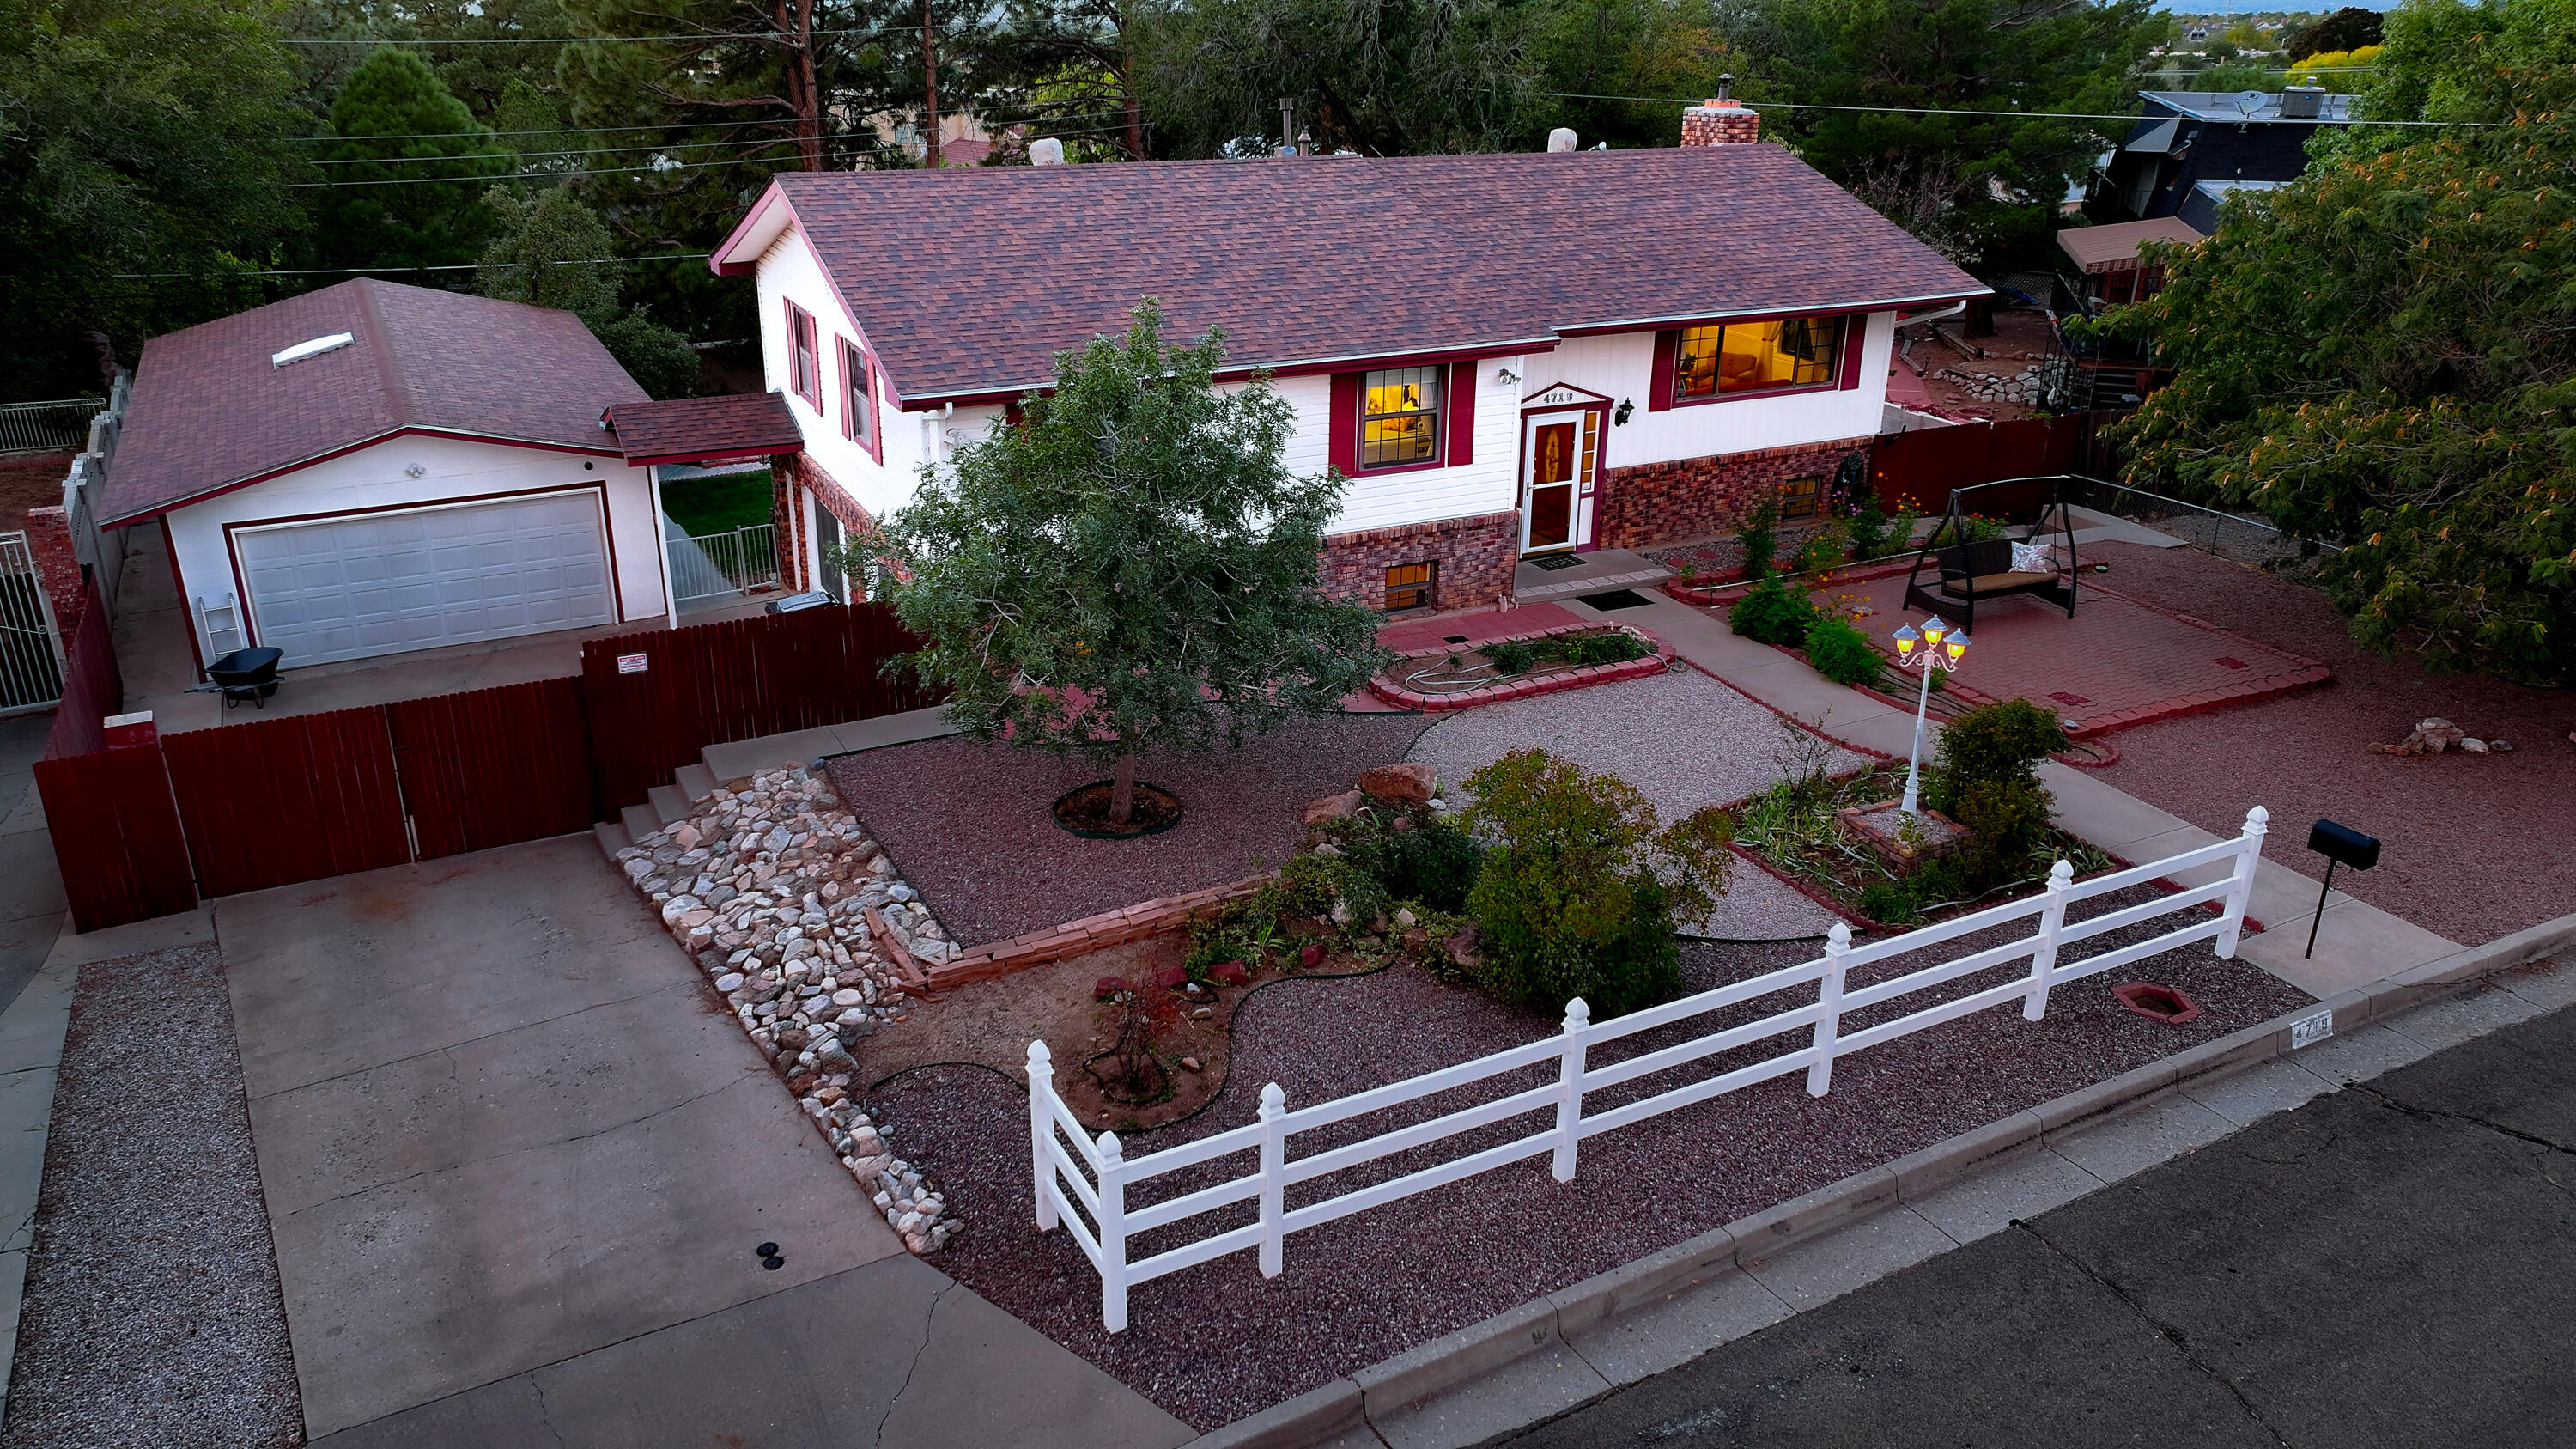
(2340, 845)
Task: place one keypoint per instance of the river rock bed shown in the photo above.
(770, 887)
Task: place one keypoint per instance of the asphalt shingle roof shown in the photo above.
(689, 429)
(970, 279)
(210, 410)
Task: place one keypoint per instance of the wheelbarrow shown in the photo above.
(246, 674)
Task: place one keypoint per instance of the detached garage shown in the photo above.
(372, 469)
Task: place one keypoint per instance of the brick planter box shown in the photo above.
(1656, 662)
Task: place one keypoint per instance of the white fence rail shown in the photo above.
(61, 425)
(1082, 1182)
(710, 567)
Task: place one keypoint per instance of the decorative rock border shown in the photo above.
(802, 925)
(1655, 662)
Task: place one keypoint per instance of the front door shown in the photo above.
(1560, 453)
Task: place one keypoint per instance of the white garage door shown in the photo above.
(423, 577)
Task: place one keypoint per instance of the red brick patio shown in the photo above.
(2117, 663)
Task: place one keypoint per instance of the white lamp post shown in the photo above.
(1936, 646)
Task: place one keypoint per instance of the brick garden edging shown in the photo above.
(1459, 1359)
(1656, 662)
(1090, 933)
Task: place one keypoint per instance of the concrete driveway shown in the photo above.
(517, 1158)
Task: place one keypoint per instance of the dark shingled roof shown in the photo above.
(968, 280)
(210, 411)
(703, 429)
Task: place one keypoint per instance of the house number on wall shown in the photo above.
(1555, 396)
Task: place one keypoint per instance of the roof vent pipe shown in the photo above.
(1046, 152)
(1561, 139)
(1726, 87)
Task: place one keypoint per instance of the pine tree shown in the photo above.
(553, 251)
(408, 171)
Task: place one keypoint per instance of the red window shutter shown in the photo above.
(1855, 332)
(1459, 404)
(1668, 356)
(1343, 449)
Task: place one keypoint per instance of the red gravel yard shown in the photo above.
(2476, 846)
(970, 825)
(1216, 1342)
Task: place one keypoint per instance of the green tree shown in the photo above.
(1130, 568)
(145, 152)
(1581, 889)
(407, 171)
(555, 252)
(2350, 28)
(2384, 355)
(1974, 186)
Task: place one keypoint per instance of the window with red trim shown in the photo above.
(804, 356)
(1400, 417)
(858, 397)
(1742, 357)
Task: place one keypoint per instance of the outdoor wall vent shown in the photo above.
(314, 348)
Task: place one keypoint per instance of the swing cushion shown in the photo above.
(1986, 567)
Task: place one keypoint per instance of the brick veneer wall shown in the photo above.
(1652, 503)
(1476, 557)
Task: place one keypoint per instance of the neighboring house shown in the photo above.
(1507, 354)
(2200, 209)
(374, 468)
(2115, 372)
(2185, 138)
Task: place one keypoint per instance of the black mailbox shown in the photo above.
(2343, 845)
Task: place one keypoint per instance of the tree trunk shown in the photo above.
(930, 87)
(1122, 790)
(1127, 89)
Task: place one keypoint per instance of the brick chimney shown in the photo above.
(1723, 121)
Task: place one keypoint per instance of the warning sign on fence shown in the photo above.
(630, 664)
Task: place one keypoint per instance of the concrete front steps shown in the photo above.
(668, 804)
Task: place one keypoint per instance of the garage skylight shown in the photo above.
(314, 348)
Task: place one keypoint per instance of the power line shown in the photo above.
(369, 271)
(586, 151)
(515, 175)
(1948, 111)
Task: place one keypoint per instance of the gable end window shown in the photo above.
(858, 397)
(1400, 417)
(804, 357)
(1745, 357)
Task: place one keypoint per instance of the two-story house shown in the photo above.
(1506, 354)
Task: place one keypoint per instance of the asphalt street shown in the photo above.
(2392, 1264)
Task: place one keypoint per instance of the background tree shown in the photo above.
(407, 170)
(554, 252)
(2384, 355)
(2350, 28)
(135, 139)
(1130, 569)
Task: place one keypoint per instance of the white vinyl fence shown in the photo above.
(1082, 1183)
(719, 567)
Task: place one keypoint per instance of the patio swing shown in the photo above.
(2035, 559)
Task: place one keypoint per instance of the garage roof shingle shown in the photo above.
(968, 280)
(211, 411)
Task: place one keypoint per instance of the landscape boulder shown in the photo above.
(1410, 783)
(1332, 807)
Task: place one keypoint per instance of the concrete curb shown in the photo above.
(1459, 1358)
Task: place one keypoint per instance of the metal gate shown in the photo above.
(31, 657)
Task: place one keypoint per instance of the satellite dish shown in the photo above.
(2251, 101)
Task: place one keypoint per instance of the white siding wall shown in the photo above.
(1488, 483)
(789, 272)
(1621, 366)
(452, 468)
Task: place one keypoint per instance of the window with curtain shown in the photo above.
(1757, 356)
(1400, 417)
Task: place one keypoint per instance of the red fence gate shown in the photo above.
(289, 799)
(658, 699)
(493, 767)
(116, 834)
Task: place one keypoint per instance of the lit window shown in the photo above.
(1411, 586)
(1756, 356)
(1400, 417)
(1798, 497)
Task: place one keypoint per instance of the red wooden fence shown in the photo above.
(494, 766)
(736, 680)
(288, 799)
(1920, 468)
(116, 834)
(92, 687)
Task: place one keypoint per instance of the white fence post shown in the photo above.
(1569, 1085)
(1113, 1235)
(2043, 951)
(1829, 1023)
(2250, 854)
(1042, 1131)
(1274, 1180)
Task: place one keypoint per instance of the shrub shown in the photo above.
(1841, 653)
(1867, 528)
(1759, 537)
(2006, 821)
(1615, 647)
(1432, 864)
(1772, 613)
(1997, 743)
(1889, 901)
(1821, 551)
(1512, 656)
(1580, 889)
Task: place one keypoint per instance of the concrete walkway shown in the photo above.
(35, 1007)
(2386, 1264)
(517, 1163)
(2356, 945)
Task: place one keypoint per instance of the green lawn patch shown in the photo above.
(718, 505)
